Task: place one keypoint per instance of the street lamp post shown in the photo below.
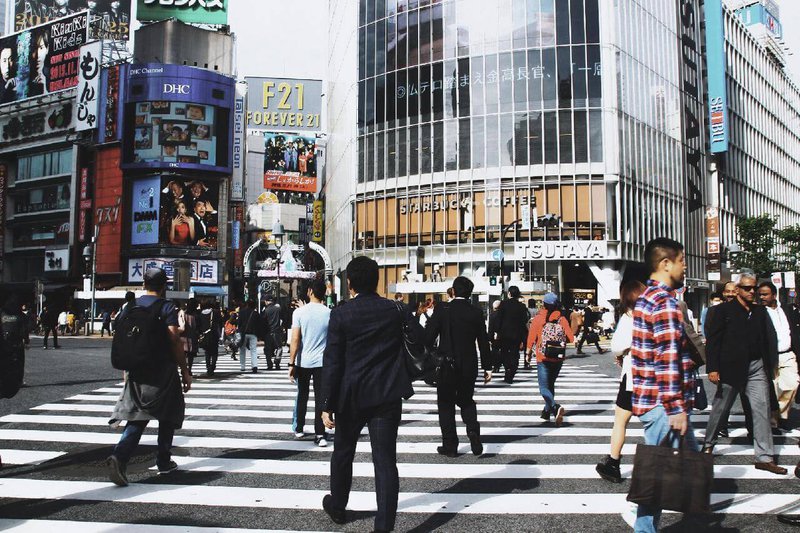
(503, 256)
(90, 253)
(278, 233)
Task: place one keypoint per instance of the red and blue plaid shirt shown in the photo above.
(663, 371)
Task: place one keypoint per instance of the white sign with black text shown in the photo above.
(88, 96)
(557, 250)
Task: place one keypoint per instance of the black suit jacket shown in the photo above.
(364, 364)
(200, 231)
(731, 333)
(460, 326)
(794, 327)
(511, 322)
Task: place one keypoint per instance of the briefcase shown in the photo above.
(675, 479)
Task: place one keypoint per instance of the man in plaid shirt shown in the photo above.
(663, 371)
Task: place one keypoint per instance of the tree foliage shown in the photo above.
(757, 241)
(790, 238)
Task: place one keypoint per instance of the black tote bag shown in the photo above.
(675, 479)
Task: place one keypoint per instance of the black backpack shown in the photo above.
(12, 354)
(141, 338)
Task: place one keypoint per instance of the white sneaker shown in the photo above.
(299, 435)
(321, 441)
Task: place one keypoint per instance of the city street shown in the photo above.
(240, 466)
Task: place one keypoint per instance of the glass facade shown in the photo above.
(473, 114)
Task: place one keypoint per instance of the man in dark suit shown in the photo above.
(459, 325)
(364, 381)
(742, 354)
(510, 328)
(200, 223)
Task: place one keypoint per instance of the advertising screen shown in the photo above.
(42, 60)
(290, 162)
(284, 104)
(174, 132)
(175, 212)
(195, 12)
(110, 18)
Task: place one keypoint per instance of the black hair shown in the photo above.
(251, 303)
(513, 291)
(771, 286)
(716, 295)
(318, 288)
(362, 273)
(130, 296)
(462, 287)
(659, 249)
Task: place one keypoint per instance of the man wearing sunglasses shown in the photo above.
(742, 354)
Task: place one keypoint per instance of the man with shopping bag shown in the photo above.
(662, 367)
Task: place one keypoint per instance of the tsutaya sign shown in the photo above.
(556, 250)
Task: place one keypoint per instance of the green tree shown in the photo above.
(757, 240)
(790, 238)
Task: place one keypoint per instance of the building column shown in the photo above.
(608, 280)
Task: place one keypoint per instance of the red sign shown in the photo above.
(289, 181)
(238, 252)
(82, 225)
(84, 183)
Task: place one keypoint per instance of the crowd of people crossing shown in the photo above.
(353, 356)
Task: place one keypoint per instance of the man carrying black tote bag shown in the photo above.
(662, 367)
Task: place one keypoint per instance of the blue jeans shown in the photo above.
(250, 342)
(133, 433)
(656, 427)
(547, 373)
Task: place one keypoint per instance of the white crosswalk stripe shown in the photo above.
(238, 424)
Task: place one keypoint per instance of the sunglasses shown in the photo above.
(748, 288)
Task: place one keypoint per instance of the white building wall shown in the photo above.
(342, 102)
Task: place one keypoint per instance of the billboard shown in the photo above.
(238, 152)
(191, 11)
(43, 59)
(178, 117)
(290, 162)
(110, 18)
(282, 104)
(27, 124)
(715, 65)
(173, 211)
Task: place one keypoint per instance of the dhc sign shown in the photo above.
(715, 64)
(175, 88)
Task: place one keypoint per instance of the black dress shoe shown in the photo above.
(475, 443)
(790, 519)
(797, 470)
(447, 452)
(337, 515)
(723, 433)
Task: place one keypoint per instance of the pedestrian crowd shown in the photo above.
(355, 357)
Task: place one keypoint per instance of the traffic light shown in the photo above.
(493, 281)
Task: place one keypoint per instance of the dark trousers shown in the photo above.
(382, 421)
(133, 433)
(304, 377)
(47, 331)
(105, 327)
(272, 343)
(509, 355)
(212, 352)
(449, 394)
(579, 346)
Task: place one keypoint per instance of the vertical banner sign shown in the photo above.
(88, 96)
(691, 77)
(2, 214)
(111, 108)
(712, 244)
(317, 222)
(715, 64)
(237, 176)
(85, 204)
(236, 230)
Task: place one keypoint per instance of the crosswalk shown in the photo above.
(237, 455)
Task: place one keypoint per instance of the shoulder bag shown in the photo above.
(419, 360)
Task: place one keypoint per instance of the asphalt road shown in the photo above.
(245, 473)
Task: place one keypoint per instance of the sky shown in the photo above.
(287, 39)
(790, 15)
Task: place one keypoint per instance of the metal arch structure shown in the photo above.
(246, 259)
(323, 253)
